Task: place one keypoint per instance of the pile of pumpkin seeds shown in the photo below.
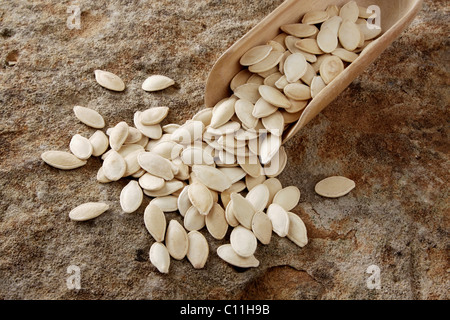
(219, 169)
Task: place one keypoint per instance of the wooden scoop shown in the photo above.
(396, 15)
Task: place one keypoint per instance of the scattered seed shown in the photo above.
(62, 160)
(88, 211)
(159, 257)
(297, 230)
(81, 147)
(109, 80)
(176, 240)
(243, 241)
(334, 187)
(131, 197)
(279, 218)
(157, 83)
(89, 117)
(198, 249)
(226, 253)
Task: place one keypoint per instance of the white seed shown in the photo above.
(226, 253)
(243, 241)
(243, 210)
(159, 257)
(332, 10)
(244, 110)
(295, 67)
(167, 149)
(62, 160)
(272, 79)
(212, 177)
(200, 197)
(198, 249)
(166, 204)
(297, 230)
(89, 117)
(269, 147)
(259, 197)
(345, 55)
(274, 123)
(330, 68)
(248, 91)
(222, 112)
(315, 17)
(287, 198)
(349, 11)
(300, 30)
(155, 222)
(263, 109)
(157, 82)
(176, 240)
(279, 218)
(154, 115)
(88, 211)
(317, 85)
(274, 186)
(101, 176)
(216, 222)
(100, 143)
(274, 96)
(250, 165)
(134, 136)
(368, 32)
(228, 128)
(297, 105)
(114, 166)
(332, 24)
(267, 63)
(196, 155)
(150, 182)
(118, 135)
(234, 174)
(183, 201)
(189, 132)
(277, 164)
(132, 164)
(80, 147)
(109, 80)
(170, 187)
(204, 115)
(240, 78)
(334, 187)
(153, 131)
(255, 55)
(309, 45)
(225, 196)
(252, 182)
(170, 127)
(131, 197)
(327, 40)
(229, 214)
(349, 35)
(193, 220)
(262, 227)
(156, 165)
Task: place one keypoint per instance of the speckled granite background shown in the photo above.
(388, 131)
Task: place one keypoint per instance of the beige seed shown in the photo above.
(315, 17)
(80, 147)
(151, 182)
(332, 10)
(279, 218)
(334, 187)
(198, 249)
(251, 182)
(155, 222)
(170, 187)
(327, 40)
(204, 115)
(274, 96)
(131, 197)
(176, 240)
(349, 35)
(183, 201)
(258, 196)
(101, 176)
(225, 196)
(171, 127)
(114, 166)
(276, 46)
(243, 210)
(167, 149)
(330, 68)
(216, 222)
(234, 173)
(272, 79)
(262, 227)
(188, 132)
(156, 165)
(345, 55)
(297, 105)
(196, 155)
(297, 91)
(274, 123)
(274, 186)
(89, 117)
(118, 135)
(277, 164)
(240, 79)
(226, 253)
(244, 110)
(369, 33)
(166, 204)
(295, 67)
(229, 214)
(134, 136)
(109, 80)
(269, 147)
(300, 30)
(316, 65)
(62, 160)
(243, 241)
(228, 128)
(297, 230)
(193, 220)
(267, 63)
(248, 91)
(88, 211)
(309, 74)
(263, 109)
(152, 132)
(157, 82)
(255, 55)
(349, 11)
(309, 45)
(333, 24)
(223, 112)
(251, 165)
(256, 78)
(287, 198)
(100, 143)
(317, 85)
(212, 177)
(200, 197)
(365, 13)
(282, 82)
(154, 115)
(159, 257)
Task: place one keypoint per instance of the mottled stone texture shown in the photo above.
(388, 131)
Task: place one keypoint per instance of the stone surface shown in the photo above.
(388, 132)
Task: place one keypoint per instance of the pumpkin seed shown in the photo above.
(196, 155)
(300, 30)
(204, 115)
(279, 218)
(334, 187)
(240, 79)
(216, 222)
(243, 241)
(315, 17)
(159, 257)
(330, 68)
(269, 147)
(166, 204)
(297, 91)
(262, 227)
(297, 230)
(243, 210)
(156, 165)
(258, 196)
(131, 197)
(155, 222)
(193, 220)
(349, 11)
(118, 135)
(248, 91)
(88, 211)
(327, 40)
(157, 82)
(309, 45)
(198, 249)
(62, 160)
(100, 143)
(176, 240)
(274, 123)
(153, 132)
(151, 182)
(256, 78)
(200, 197)
(189, 132)
(89, 117)
(170, 187)
(274, 96)
(109, 80)
(295, 67)
(252, 182)
(80, 147)
(212, 177)
(287, 197)
(263, 109)
(226, 253)
(274, 186)
(255, 55)
(183, 201)
(277, 164)
(349, 35)
(267, 63)
(114, 166)
(244, 110)
(154, 115)
(317, 85)
(134, 136)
